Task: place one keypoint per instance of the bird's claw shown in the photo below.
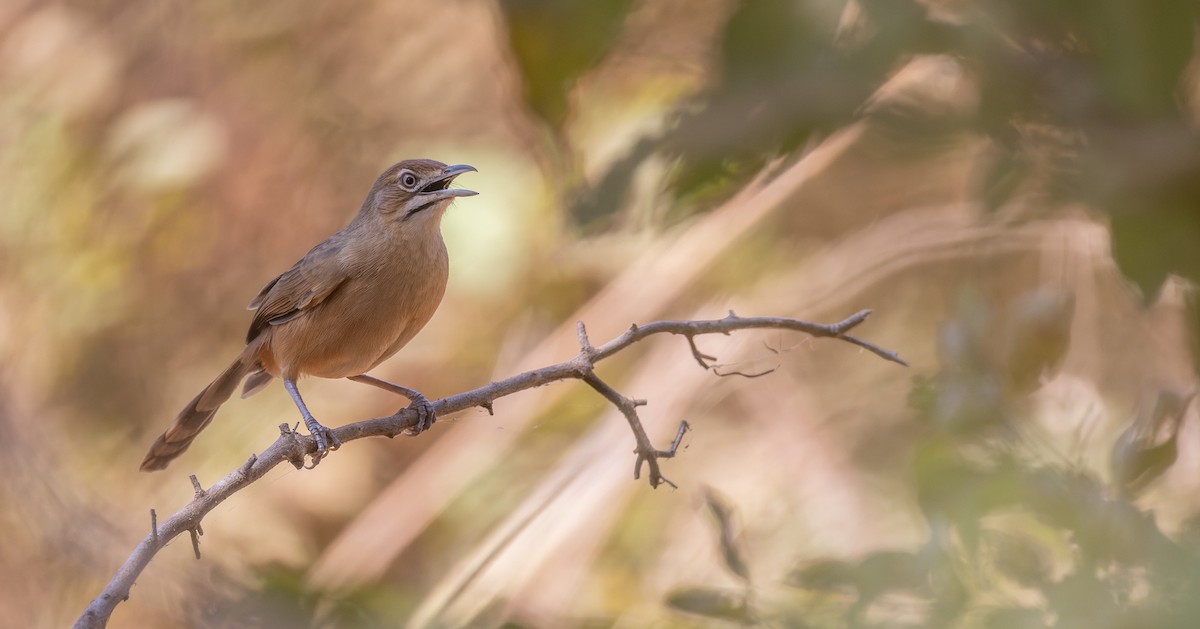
(425, 415)
(326, 440)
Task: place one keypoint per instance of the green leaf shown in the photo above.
(711, 603)
(555, 41)
(1153, 242)
(823, 575)
(731, 550)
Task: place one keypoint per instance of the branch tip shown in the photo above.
(585, 345)
(885, 354)
(683, 428)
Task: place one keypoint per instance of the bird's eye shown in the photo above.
(408, 180)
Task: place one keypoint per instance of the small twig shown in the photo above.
(683, 428)
(732, 323)
(292, 446)
(748, 376)
(153, 526)
(701, 358)
(646, 452)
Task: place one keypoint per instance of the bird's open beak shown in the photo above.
(439, 188)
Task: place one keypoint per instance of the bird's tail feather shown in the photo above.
(255, 383)
(195, 416)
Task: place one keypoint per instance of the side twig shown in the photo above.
(293, 447)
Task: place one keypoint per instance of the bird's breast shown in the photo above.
(370, 317)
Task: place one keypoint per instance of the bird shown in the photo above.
(350, 303)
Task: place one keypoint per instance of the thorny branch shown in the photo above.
(293, 447)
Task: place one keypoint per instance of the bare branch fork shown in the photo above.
(293, 447)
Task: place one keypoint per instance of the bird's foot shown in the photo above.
(425, 414)
(326, 440)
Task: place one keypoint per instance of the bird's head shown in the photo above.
(416, 189)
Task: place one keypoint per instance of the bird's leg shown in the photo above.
(326, 440)
(420, 403)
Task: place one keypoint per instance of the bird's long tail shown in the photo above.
(195, 416)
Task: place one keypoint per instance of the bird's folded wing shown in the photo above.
(299, 289)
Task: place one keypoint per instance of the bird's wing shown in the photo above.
(299, 289)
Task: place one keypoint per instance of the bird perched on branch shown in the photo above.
(350, 303)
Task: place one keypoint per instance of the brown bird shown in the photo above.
(347, 305)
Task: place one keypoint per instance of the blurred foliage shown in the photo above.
(1081, 103)
(554, 42)
(160, 162)
(1019, 534)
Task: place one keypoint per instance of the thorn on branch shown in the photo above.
(245, 468)
(154, 527)
(487, 405)
(196, 488)
(196, 532)
(585, 345)
(732, 316)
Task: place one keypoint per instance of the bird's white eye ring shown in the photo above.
(408, 180)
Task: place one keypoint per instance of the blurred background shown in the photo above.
(1012, 186)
